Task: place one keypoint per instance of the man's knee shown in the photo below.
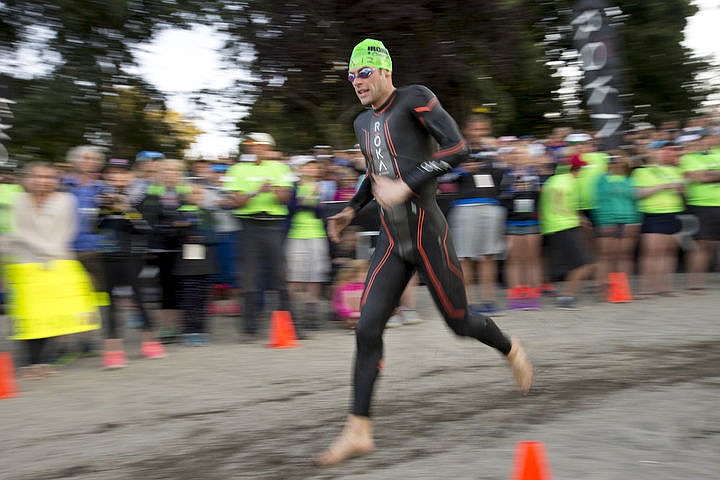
(367, 333)
(460, 327)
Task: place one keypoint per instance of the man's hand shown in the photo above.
(390, 192)
(338, 222)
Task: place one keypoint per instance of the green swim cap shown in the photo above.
(370, 53)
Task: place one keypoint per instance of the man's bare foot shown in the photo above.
(355, 440)
(521, 367)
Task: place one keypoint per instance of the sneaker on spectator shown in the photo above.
(485, 308)
(168, 335)
(152, 350)
(188, 339)
(134, 319)
(396, 320)
(567, 303)
(114, 360)
(533, 303)
(491, 308)
(410, 316)
(475, 309)
(201, 340)
(548, 290)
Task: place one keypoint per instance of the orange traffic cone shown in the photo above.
(282, 331)
(8, 388)
(618, 288)
(530, 462)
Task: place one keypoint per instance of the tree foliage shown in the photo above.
(659, 74)
(472, 54)
(501, 56)
(495, 55)
(76, 101)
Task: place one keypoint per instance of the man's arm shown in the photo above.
(363, 196)
(453, 148)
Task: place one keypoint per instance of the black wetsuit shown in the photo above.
(400, 140)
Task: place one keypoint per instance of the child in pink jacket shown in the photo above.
(348, 292)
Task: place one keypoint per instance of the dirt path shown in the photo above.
(622, 391)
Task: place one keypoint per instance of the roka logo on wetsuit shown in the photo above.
(380, 152)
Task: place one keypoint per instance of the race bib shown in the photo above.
(524, 205)
(483, 181)
(192, 251)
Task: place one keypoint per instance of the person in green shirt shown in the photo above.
(701, 168)
(560, 223)
(660, 185)
(616, 218)
(595, 165)
(263, 188)
(307, 247)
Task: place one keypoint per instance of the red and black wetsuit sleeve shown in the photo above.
(437, 121)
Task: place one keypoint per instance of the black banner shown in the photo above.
(594, 39)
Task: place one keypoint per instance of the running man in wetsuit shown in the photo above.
(408, 140)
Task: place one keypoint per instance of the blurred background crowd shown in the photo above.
(174, 243)
(106, 207)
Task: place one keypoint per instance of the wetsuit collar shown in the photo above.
(386, 102)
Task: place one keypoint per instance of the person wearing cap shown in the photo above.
(262, 187)
(595, 165)
(307, 248)
(160, 208)
(408, 140)
(122, 247)
(701, 168)
(660, 186)
(145, 169)
(560, 223)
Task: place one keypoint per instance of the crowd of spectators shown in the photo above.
(183, 237)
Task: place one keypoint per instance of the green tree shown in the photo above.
(92, 41)
(659, 76)
(470, 53)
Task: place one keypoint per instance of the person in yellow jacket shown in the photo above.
(50, 291)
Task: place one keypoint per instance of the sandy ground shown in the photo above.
(622, 391)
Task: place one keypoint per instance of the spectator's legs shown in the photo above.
(698, 261)
(606, 255)
(195, 290)
(35, 351)
(469, 266)
(488, 278)
(574, 277)
(252, 245)
(656, 262)
(626, 251)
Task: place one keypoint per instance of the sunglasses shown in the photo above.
(363, 73)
